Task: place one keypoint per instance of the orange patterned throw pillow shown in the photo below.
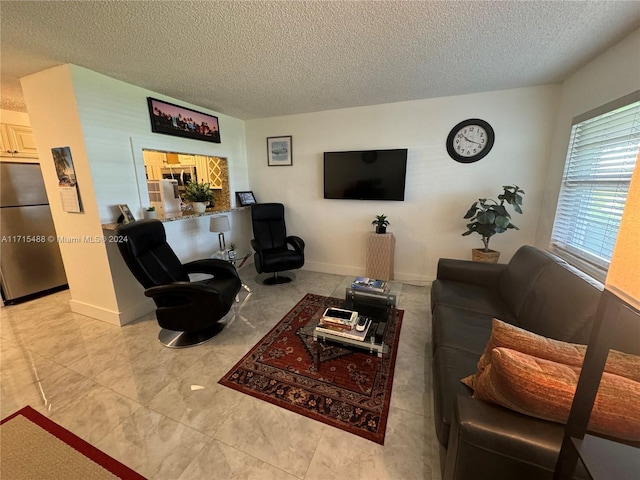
(544, 389)
(515, 338)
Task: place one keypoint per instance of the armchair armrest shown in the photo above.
(256, 246)
(296, 242)
(211, 266)
(499, 442)
(190, 289)
(466, 271)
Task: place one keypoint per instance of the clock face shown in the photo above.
(469, 141)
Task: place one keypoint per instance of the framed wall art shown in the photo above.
(279, 151)
(126, 216)
(171, 119)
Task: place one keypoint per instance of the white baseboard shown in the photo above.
(334, 269)
(409, 278)
(110, 316)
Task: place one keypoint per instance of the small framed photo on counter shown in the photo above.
(245, 198)
(126, 216)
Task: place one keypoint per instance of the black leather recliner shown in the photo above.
(271, 243)
(188, 312)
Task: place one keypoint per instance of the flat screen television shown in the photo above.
(365, 174)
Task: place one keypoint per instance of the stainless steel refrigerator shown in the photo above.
(30, 260)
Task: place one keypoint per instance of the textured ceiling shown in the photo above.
(258, 59)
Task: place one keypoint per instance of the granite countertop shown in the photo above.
(172, 217)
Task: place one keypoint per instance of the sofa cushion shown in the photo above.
(462, 329)
(449, 366)
(470, 297)
(477, 273)
(514, 338)
(521, 275)
(626, 337)
(562, 304)
(544, 389)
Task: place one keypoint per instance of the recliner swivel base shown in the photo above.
(276, 279)
(175, 339)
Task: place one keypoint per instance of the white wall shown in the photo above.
(429, 223)
(610, 76)
(115, 123)
(106, 124)
(54, 118)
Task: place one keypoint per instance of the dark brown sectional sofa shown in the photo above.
(536, 291)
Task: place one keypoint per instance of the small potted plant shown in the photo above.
(199, 194)
(488, 217)
(151, 212)
(381, 223)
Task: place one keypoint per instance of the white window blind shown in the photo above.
(600, 160)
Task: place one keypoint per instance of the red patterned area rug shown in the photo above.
(350, 389)
(35, 447)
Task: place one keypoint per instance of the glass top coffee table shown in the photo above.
(236, 257)
(381, 308)
(344, 289)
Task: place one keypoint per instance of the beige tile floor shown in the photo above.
(143, 404)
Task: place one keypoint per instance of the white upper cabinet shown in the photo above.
(17, 141)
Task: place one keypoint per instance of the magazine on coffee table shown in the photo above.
(366, 284)
(339, 317)
(340, 332)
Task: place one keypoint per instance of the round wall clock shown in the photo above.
(469, 141)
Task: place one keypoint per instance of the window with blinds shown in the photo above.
(601, 157)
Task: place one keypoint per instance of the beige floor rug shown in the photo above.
(34, 447)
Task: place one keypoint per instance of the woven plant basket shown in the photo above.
(479, 255)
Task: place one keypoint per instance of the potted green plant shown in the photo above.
(151, 212)
(199, 194)
(381, 223)
(488, 217)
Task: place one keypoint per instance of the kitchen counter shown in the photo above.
(180, 216)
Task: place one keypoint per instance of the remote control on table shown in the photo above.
(362, 323)
(379, 333)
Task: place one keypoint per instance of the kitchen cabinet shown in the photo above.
(155, 158)
(187, 159)
(17, 141)
(180, 159)
(210, 171)
(154, 172)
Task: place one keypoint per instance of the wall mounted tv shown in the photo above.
(365, 174)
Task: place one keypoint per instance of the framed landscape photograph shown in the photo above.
(245, 198)
(279, 151)
(171, 119)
